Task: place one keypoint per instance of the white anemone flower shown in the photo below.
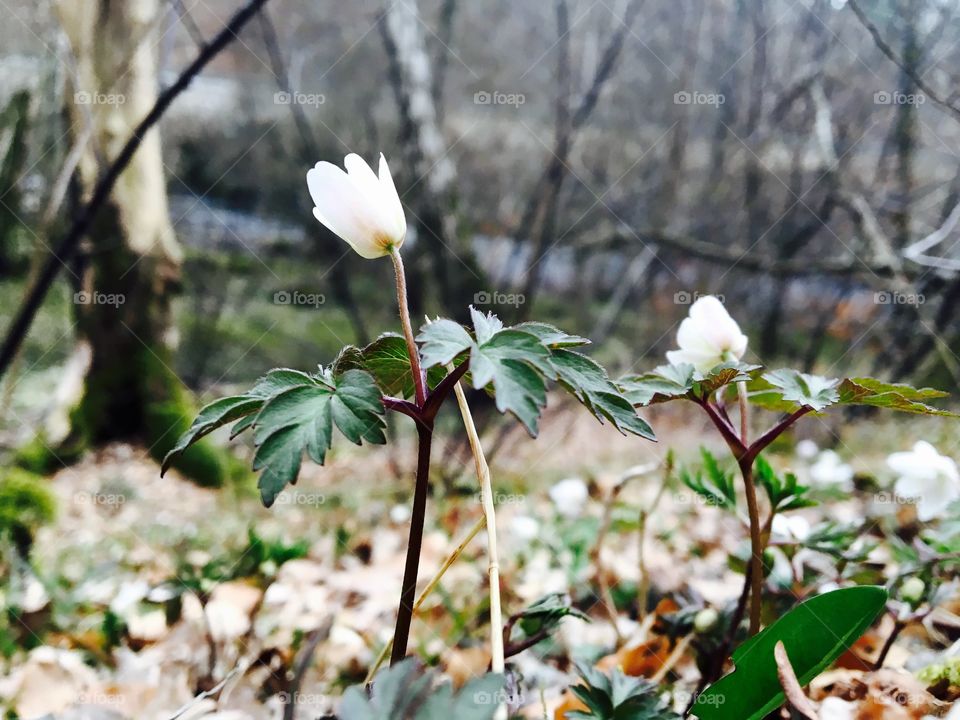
(570, 496)
(708, 336)
(927, 477)
(791, 527)
(359, 206)
(830, 469)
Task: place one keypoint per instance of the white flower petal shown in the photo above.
(391, 199)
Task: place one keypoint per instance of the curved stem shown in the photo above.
(418, 382)
(756, 546)
(405, 612)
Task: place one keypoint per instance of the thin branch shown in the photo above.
(885, 48)
(68, 244)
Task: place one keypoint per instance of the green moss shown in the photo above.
(948, 670)
(26, 504)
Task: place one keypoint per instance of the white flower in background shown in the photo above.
(791, 527)
(569, 496)
(834, 708)
(926, 476)
(830, 469)
(806, 449)
(708, 336)
(360, 207)
(524, 527)
(400, 514)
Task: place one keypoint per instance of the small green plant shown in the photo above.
(405, 692)
(291, 413)
(618, 697)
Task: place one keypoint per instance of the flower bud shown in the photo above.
(912, 590)
(706, 620)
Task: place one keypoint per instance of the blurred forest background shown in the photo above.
(598, 164)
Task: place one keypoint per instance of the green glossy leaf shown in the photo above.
(815, 633)
(812, 391)
(868, 391)
(301, 419)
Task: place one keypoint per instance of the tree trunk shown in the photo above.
(131, 260)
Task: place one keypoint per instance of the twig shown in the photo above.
(431, 586)
(791, 686)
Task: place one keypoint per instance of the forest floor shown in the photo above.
(145, 592)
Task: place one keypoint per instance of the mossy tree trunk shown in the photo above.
(131, 260)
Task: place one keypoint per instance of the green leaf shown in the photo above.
(868, 391)
(618, 697)
(226, 410)
(785, 493)
(550, 336)
(815, 633)
(718, 489)
(665, 383)
(514, 363)
(545, 614)
(301, 419)
(442, 341)
(806, 390)
(725, 374)
(386, 358)
(405, 692)
(588, 382)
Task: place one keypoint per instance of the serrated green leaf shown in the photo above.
(301, 419)
(386, 358)
(551, 336)
(405, 692)
(665, 383)
(617, 697)
(725, 374)
(442, 341)
(243, 407)
(812, 391)
(868, 391)
(588, 382)
(815, 633)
